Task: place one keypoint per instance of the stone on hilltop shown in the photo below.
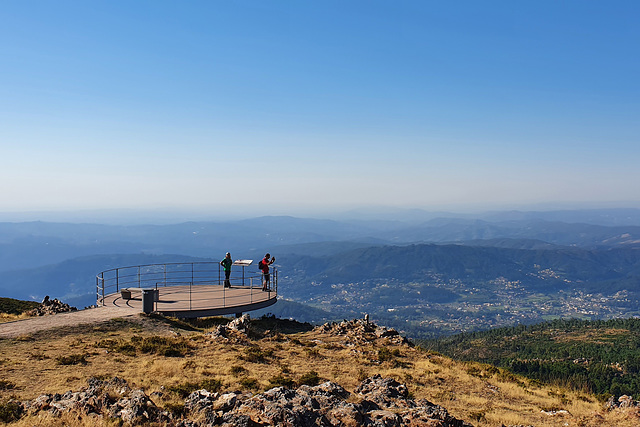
(361, 331)
(51, 306)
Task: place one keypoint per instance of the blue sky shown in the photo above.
(287, 106)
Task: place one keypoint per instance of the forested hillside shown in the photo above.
(602, 357)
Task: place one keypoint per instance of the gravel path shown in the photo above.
(91, 315)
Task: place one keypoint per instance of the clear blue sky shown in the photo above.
(279, 106)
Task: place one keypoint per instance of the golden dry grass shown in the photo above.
(7, 317)
(479, 394)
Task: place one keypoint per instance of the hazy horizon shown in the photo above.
(168, 215)
(263, 108)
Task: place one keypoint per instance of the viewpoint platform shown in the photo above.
(187, 290)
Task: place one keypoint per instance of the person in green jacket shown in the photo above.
(226, 265)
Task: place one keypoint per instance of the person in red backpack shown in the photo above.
(264, 266)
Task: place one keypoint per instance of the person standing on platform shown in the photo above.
(226, 265)
(264, 266)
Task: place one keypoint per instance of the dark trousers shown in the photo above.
(227, 282)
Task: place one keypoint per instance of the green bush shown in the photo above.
(10, 411)
(249, 383)
(310, 378)
(281, 381)
(256, 355)
(384, 354)
(162, 346)
(6, 385)
(72, 359)
(238, 370)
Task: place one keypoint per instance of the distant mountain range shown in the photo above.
(403, 271)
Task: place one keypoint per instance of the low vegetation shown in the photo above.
(13, 309)
(276, 353)
(600, 357)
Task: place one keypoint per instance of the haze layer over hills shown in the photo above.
(421, 274)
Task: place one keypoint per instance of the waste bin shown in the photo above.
(149, 296)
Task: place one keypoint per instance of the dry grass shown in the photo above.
(479, 394)
(8, 317)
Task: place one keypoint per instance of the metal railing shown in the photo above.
(192, 276)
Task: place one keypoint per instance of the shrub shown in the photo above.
(238, 370)
(256, 355)
(281, 381)
(163, 346)
(173, 352)
(362, 374)
(6, 385)
(126, 349)
(310, 378)
(313, 353)
(153, 344)
(176, 409)
(72, 359)
(249, 383)
(385, 355)
(10, 411)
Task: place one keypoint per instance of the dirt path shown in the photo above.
(91, 315)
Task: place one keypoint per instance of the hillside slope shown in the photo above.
(168, 360)
(600, 356)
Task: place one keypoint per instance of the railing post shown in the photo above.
(103, 289)
(139, 285)
(165, 276)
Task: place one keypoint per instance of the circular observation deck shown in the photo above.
(187, 290)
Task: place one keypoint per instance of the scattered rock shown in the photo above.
(623, 401)
(362, 331)
(240, 324)
(554, 413)
(234, 331)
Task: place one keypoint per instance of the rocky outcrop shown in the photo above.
(383, 402)
(113, 399)
(380, 401)
(51, 306)
(623, 401)
(361, 331)
(235, 331)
